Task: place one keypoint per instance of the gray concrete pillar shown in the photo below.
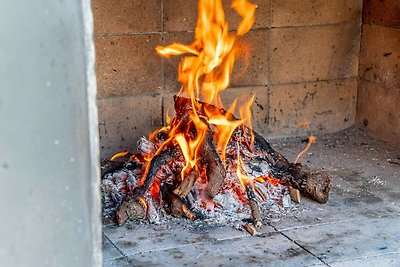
(49, 171)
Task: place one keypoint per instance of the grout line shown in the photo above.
(160, 93)
(155, 94)
(367, 257)
(191, 244)
(253, 29)
(359, 61)
(318, 224)
(316, 81)
(113, 259)
(269, 66)
(162, 67)
(298, 244)
(123, 255)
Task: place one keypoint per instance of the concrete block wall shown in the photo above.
(303, 65)
(379, 86)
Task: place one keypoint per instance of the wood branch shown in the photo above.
(130, 209)
(313, 184)
(186, 185)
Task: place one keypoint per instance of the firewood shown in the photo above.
(294, 195)
(186, 185)
(175, 205)
(249, 228)
(255, 208)
(215, 168)
(109, 166)
(313, 184)
(131, 209)
(154, 166)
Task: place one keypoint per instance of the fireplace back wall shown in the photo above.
(303, 65)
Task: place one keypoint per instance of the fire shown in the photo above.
(205, 72)
(119, 155)
(311, 140)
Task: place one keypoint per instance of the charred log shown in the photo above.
(154, 166)
(255, 208)
(186, 184)
(130, 209)
(215, 168)
(175, 205)
(313, 184)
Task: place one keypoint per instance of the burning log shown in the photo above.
(313, 184)
(255, 208)
(154, 166)
(175, 205)
(214, 167)
(186, 184)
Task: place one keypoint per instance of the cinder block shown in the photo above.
(314, 12)
(123, 120)
(330, 106)
(378, 110)
(380, 55)
(384, 13)
(251, 67)
(122, 16)
(128, 65)
(181, 15)
(314, 53)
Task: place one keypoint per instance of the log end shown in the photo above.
(130, 209)
(315, 184)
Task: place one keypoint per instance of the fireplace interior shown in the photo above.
(332, 64)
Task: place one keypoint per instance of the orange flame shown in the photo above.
(311, 140)
(119, 155)
(205, 72)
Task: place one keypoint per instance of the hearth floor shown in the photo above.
(359, 226)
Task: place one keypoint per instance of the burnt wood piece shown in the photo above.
(209, 157)
(186, 185)
(130, 209)
(313, 184)
(109, 166)
(294, 195)
(317, 184)
(175, 205)
(255, 208)
(249, 228)
(156, 163)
